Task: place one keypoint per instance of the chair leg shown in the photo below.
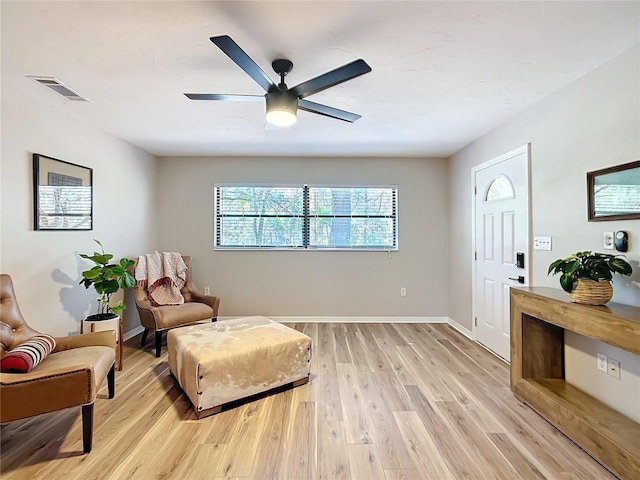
(214, 319)
(111, 381)
(87, 427)
(158, 343)
(144, 336)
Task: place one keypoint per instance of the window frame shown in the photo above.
(308, 216)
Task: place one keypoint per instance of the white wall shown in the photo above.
(591, 124)
(44, 265)
(338, 283)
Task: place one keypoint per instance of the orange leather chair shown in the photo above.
(196, 307)
(69, 376)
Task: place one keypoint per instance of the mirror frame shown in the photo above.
(47, 169)
(591, 180)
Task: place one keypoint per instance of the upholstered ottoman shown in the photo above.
(218, 363)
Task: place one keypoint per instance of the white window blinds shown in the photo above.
(306, 217)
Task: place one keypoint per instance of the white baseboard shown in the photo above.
(294, 319)
(303, 319)
(133, 333)
(463, 330)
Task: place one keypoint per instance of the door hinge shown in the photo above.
(475, 255)
(475, 322)
(475, 189)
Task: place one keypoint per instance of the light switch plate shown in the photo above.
(607, 240)
(542, 243)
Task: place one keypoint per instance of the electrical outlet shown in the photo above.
(614, 368)
(403, 292)
(207, 291)
(607, 240)
(602, 362)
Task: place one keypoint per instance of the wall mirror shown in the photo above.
(63, 195)
(614, 192)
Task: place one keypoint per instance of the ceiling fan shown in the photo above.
(283, 102)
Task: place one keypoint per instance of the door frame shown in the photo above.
(523, 149)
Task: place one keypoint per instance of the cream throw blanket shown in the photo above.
(163, 274)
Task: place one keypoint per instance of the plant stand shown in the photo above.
(115, 324)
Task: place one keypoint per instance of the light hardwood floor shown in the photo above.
(385, 401)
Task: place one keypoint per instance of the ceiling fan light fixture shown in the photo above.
(281, 118)
(282, 109)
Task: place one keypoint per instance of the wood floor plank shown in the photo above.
(525, 468)
(333, 459)
(459, 462)
(385, 433)
(402, 401)
(402, 475)
(357, 425)
(325, 345)
(342, 353)
(235, 460)
(357, 348)
(299, 453)
(329, 402)
(478, 354)
(425, 375)
(364, 461)
(268, 455)
(422, 447)
(482, 451)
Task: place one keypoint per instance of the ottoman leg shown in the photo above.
(214, 319)
(158, 343)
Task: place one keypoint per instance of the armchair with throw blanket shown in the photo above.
(166, 297)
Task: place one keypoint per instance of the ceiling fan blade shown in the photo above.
(327, 111)
(215, 96)
(235, 53)
(329, 79)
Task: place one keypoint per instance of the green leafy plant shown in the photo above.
(107, 278)
(587, 264)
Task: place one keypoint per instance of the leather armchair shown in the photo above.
(69, 376)
(196, 307)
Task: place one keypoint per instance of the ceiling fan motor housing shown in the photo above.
(283, 101)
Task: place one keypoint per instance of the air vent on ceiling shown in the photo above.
(58, 87)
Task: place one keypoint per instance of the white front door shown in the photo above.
(501, 204)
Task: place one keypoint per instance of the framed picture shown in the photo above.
(63, 195)
(614, 193)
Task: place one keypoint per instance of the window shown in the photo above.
(306, 217)
(500, 189)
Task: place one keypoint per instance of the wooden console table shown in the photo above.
(539, 317)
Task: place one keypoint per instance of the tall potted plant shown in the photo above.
(107, 278)
(586, 276)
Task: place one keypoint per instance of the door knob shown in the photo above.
(520, 279)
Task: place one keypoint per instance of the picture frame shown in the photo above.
(63, 195)
(613, 193)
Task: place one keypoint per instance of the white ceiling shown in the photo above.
(444, 73)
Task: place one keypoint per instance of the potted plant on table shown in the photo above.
(107, 278)
(586, 276)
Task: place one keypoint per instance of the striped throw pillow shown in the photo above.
(27, 355)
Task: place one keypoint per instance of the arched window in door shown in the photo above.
(500, 188)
